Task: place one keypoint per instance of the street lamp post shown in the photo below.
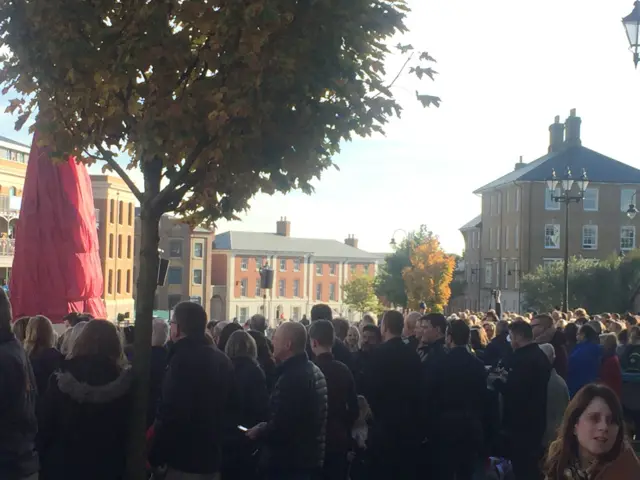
(393, 242)
(632, 211)
(566, 197)
(632, 26)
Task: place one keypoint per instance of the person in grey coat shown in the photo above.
(557, 398)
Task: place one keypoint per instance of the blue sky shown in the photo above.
(506, 69)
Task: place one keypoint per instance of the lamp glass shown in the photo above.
(567, 183)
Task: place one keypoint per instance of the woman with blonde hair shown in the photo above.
(71, 337)
(591, 443)
(353, 339)
(249, 406)
(83, 429)
(39, 345)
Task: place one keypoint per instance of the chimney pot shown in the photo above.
(573, 126)
(351, 240)
(556, 135)
(283, 227)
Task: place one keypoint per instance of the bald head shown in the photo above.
(289, 340)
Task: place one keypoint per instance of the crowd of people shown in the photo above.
(414, 395)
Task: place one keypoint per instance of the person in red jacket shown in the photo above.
(610, 370)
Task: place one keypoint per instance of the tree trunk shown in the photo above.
(147, 283)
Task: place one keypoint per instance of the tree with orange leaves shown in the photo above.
(428, 277)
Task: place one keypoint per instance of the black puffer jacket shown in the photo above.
(295, 435)
(18, 425)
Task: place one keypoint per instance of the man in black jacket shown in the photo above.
(433, 327)
(18, 424)
(525, 401)
(342, 400)
(294, 435)
(456, 409)
(340, 351)
(195, 393)
(393, 385)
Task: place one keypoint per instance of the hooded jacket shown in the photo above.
(18, 425)
(83, 429)
(583, 366)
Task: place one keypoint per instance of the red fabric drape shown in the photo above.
(56, 267)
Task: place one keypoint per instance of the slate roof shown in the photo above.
(271, 242)
(471, 224)
(600, 169)
(8, 140)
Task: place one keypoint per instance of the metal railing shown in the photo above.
(7, 247)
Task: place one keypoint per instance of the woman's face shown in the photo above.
(352, 337)
(595, 430)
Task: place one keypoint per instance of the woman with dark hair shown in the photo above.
(226, 333)
(571, 336)
(591, 444)
(265, 358)
(583, 366)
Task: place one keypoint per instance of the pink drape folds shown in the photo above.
(56, 267)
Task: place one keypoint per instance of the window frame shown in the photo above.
(244, 287)
(332, 292)
(488, 273)
(282, 287)
(193, 276)
(296, 288)
(174, 268)
(319, 269)
(597, 199)
(633, 191)
(244, 264)
(633, 229)
(195, 249)
(546, 236)
(282, 264)
(171, 242)
(318, 292)
(549, 204)
(595, 245)
(296, 264)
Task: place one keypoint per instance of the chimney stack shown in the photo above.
(572, 126)
(556, 134)
(351, 240)
(520, 164)
(283, 227)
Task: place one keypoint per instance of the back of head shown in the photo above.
(226, 333)
(323, 333)
(571, 332)
(459, 332)
(98, 337)
(597, 326)
(609, 343)
(258, 323)
(72, 337)
(369, 319)
(159, 332)
(296, 334)
(72, 318)
(241, 344)
(502, 326)
(341, 327)
(549, 351)
(19, 328)
(437, 321)
(411, 319)
(589, 333)
(522, 330)
(392, 322)
(217, 330)
(39, 335)
(545, 320)
(190, 318)
(5, 311)
(321, 311)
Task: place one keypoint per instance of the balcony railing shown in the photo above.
(7, 247)
(10, 205)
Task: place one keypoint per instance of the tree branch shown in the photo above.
(107, 156)
(182, 173)
(395, 79)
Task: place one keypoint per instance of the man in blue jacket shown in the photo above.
(18, 424)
